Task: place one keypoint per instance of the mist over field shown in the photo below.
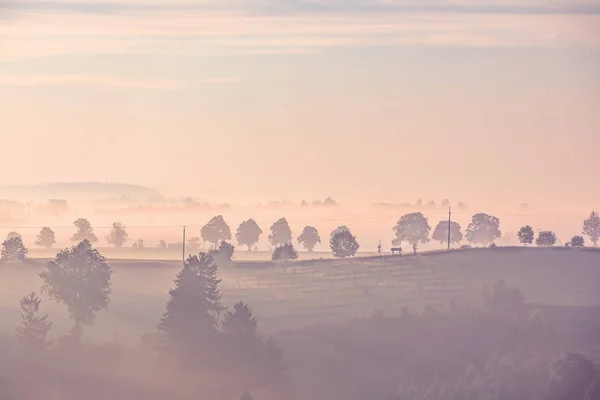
(299, 200)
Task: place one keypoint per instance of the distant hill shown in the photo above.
(71, 190)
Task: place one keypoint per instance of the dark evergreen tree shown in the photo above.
(189, 326)
(284, 252)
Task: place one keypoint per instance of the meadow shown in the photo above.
(307, 292)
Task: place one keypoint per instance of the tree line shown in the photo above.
(412, 228)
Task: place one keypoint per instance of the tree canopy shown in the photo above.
(280, 233)
(84, 231)
(483, 229)
(526, 235)
(13, 250)
(118, 235)
(80, 278)
(440, 233)
(215, 231)
(546, 239)
(577, 241)
(591, 227)
(343, 244)
(309, 238)
(284, 252)
(412, 228)
(248, 233)
(46, 238)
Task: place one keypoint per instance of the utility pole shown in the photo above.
(449, 222)
(183, 246)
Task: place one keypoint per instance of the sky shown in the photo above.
(366, 100)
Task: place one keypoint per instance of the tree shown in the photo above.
(215, 231)
(13, 250)
(284, 252)
(46, 238)
(80, 278)
(483, 229)
(445, 203)
(337, 230)
(223, 254)
(240, 329)
(162, 244)
(248, 233)
(189, 327)
(526, 235)
(33, 329)
(440, 233)
(193, 244)
(13, 234)
(591, 227)
(343, 244)
(412, 228)
(84, 231)
(280, 233)
(546, 239)
(309, 238)
(118, 235)
(577, 241)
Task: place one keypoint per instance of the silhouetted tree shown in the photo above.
(309, 238)
(189, 327)
(284, 252)
(46, 238)
(118, 235)
(412, 228)
(193, 244)
(13, 250)
(84, 231)
(280, 233)
(591, 227)
(140, 244)
(215, 231)
(343, 244)
(440, 233)
(162, 244)
(248, 233)
(33, 329)
(577, 241)
(546, 239)
(483, 229)
(445, 203)
(526, 235)
(224, 254)
(80, 278)
(240, 329)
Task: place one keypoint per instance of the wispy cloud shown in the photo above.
(289, 26)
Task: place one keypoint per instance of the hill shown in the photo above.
(71, 190)
(303, 293)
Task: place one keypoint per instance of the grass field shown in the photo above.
(325, 291)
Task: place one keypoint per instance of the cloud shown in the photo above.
(279, 7)
(288, 27)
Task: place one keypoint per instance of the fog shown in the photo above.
(299, 200)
